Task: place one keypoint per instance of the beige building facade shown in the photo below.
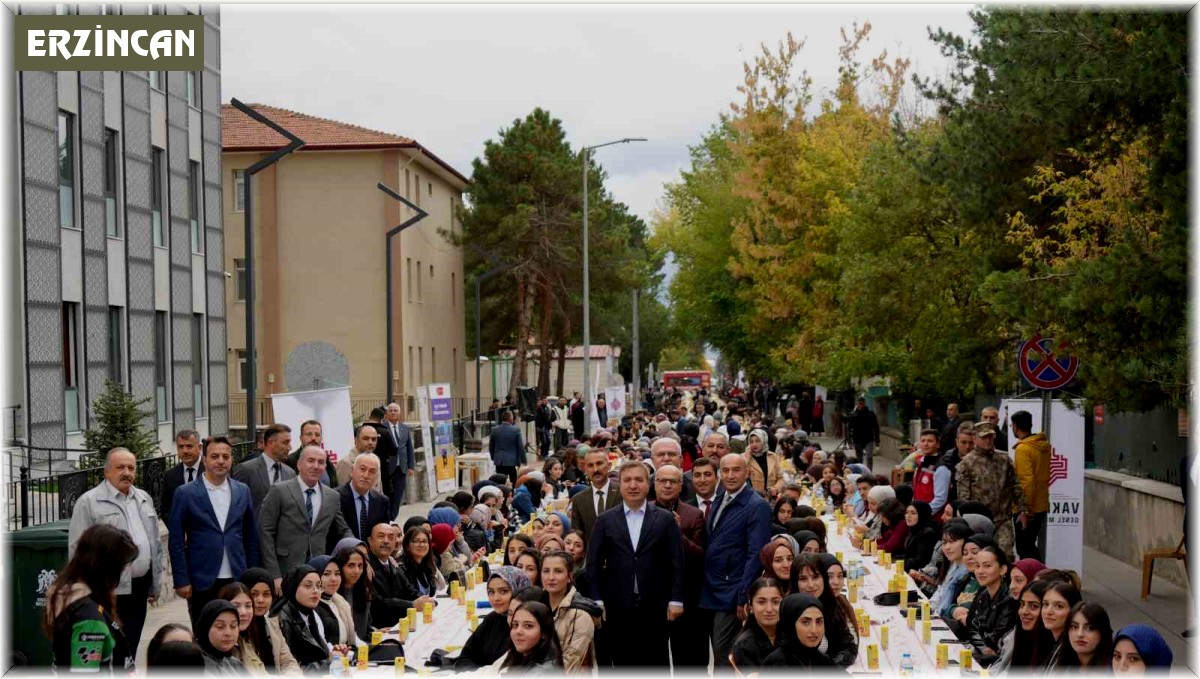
(320, 230)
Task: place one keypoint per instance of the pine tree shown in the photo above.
(118, 424)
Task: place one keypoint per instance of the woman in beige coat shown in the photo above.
(256, 638)
(576, 629)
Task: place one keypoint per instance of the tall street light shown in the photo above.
(587, 317)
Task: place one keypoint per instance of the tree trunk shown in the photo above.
(562, 354)
(544, 355)
(525, 298)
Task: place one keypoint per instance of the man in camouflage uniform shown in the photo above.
(989, 477)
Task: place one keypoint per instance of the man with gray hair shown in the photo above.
(665, 451)
(715, 446)
(117, 503)
(362, 504)
(664, 430)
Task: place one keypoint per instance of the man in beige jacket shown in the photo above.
(365, 438)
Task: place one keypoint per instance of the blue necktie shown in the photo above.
(308, 505)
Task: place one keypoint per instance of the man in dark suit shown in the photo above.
(738, 526)
(686, 632)
(261, 472)
(507, 447)
(391, 592)
(599, 496)
(300, 517)
(187, 449)
(634, 560)
(213, 534)
(667, 451)
(362, 506)
(577, 414)
(311, 434)
(395, 451)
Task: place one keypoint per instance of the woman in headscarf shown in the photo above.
(239, 595)
(295, 616)
(922, 535)
(1022, 573)
(490, 639)
(1138, 648)
(835, 572)
(776, 557)
(558, 523)
(868, 528)
(757, 638)
(450, 567)
(766, 475)
(336, 617)
(477, 533)
(810, 542)
(527, 498)
(980, 524)
(217, 635)
(269, 645)
(801, 629)
(551, 543)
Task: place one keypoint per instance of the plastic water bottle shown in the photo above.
(906, 665)
(335, 665)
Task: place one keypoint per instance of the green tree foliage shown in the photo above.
(118, 425)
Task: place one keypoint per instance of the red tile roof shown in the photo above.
(241, 133)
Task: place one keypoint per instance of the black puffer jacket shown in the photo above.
(310, 652)
(989, 619)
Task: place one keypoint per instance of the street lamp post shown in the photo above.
(587, 316)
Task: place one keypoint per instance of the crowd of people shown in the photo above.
(667, 541)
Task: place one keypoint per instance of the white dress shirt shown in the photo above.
(272, 463)
(195, 469)
(599, 501)
(137, 529)
(221, 497)
(316, 497)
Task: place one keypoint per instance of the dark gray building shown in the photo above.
(117, 265)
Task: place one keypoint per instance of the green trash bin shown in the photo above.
(38, 553)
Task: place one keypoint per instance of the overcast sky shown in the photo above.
(452, 76)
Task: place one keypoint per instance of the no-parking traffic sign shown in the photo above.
(1044, 363)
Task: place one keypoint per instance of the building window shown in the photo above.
(408, 278)
(105, 10)
(431, 188)
(64, 10)
(420, 286)
(453, 290)
(411, 372)
(239, 280)
(433, 364)
(452, 215)
(239, 190)
(421, 365)
(198, 364)
(194, 206)
(110, 184)
(454, 365)
(116, 331)
(407, 186)
(242, 377)
(158, 80)
(417, 188)
(157, 179)
(71, 365)
(160, 365)
(66, 170)
(193, 89)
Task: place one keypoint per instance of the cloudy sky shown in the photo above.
(452, 76)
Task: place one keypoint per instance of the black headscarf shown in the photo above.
(260, 637)
(291, 583)
(798, 654)
(803, 537)
(904, 494)
(208, 615)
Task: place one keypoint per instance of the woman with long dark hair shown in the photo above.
(785, 508)
(993, 612)
(533, 646)
(419, 564)
(336, 617)
(490, 639)
(80, 617)
(922, 535)
(269, 645)
(841, 634)
(217, 636)
(355, 587)
(1057, 603)
(759, 633)
(516, 544)
(802, 628)
(893, 530)
(1091, 636)
(239, 595)
(530, 561)
(952, 571)
(576, 629)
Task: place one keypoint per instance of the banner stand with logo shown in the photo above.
(330, 407)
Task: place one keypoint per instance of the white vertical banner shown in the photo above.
(330, 407)
(1064, 522)
(614, 398)
(593, 417)
(427, 441)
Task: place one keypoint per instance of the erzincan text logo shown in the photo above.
(110, 43)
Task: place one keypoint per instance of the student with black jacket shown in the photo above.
(993, 611)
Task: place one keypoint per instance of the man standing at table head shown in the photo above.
(299, 518)
(599, 495)
(213, 534)
(739, 526)
(688, 628)
(635, 564)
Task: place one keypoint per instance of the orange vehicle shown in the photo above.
(687, 379)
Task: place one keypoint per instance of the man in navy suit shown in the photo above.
(363, 506)
(738, 526)
(213, 535)
(395, 451)
(187, 449)
(635, 568)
